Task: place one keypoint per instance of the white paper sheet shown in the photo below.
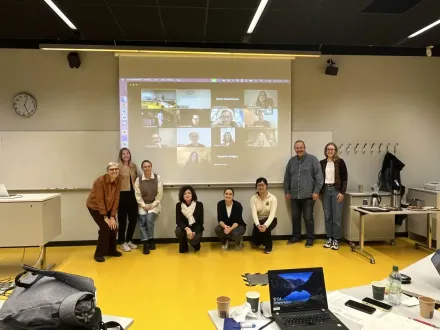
(336, 302)
(395, 322)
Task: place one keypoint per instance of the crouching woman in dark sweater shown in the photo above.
(189, 219)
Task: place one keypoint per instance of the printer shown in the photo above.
(432, 185)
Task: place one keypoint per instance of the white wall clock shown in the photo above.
(24, 104)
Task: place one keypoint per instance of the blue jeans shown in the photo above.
(146, 225)
(303, 207)
(332, 213)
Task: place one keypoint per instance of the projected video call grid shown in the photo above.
(207, 126)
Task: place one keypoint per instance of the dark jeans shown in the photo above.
(332, 213)
(183, 239)
(303, 207)
(106, 237)
(128, 207)
(146, 225)
(265, 238)
(234, 235)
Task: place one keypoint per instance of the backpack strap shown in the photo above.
(110, 325)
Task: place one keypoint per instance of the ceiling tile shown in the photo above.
(94, 22)
(140, 3)
(228, 25)
(298, 5)
(390, 6)
(31, 22)
(70, 3)
(183, 3)
(234, 4)
(183, 24)
(134, 24)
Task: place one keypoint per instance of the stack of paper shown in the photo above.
(395, 322)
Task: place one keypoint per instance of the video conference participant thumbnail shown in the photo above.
(263, 138)
(194, 118)
(263, 99)
(262, 118)
(158, 98)
(159, 118)
(160, 138)
(227, 137)
(193, 98)
(193, 158)
(194, 137)
(227, 97)
(225, 117)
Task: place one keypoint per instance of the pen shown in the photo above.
(424, 322)
(247, 326)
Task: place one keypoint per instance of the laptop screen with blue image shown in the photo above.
(296, 290)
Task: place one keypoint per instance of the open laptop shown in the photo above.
(298, 300)
(436, 260)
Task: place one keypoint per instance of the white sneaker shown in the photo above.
(328, 244)
(132, 245)
(225, 246)
(335, 245)
(125, 247)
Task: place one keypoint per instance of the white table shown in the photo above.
(359, 292)
(425, 280)
(364, 213)
(124, 321)
(30, 220)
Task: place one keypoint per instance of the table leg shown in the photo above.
(428, 244)
(42, 259)
(360, 249)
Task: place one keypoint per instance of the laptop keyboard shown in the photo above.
(307, 319)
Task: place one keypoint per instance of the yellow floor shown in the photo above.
(166, 290)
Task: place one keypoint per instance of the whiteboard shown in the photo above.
(315, 141)
(55, 159)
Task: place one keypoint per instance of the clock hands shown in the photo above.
(24, 104)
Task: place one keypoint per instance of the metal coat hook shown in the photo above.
(388, 147)
(347, 150)
(371, 149)
(340, 148)
(380, 147)
(363, 148)
(356, 148)
(395, 147)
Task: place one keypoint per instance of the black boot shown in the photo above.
(183, 247)
(146, 247)
(151, 244)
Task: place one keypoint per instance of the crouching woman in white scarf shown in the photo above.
(189, 219)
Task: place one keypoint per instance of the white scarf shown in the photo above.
(188, 211)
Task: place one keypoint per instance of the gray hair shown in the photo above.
(112, 164)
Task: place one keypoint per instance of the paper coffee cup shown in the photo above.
(253, 298)
(378, 290)
(223, 305)
(427, 306)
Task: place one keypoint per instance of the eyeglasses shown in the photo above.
(330, 149)
(113, 169)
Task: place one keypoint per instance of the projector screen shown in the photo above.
(207, 130)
